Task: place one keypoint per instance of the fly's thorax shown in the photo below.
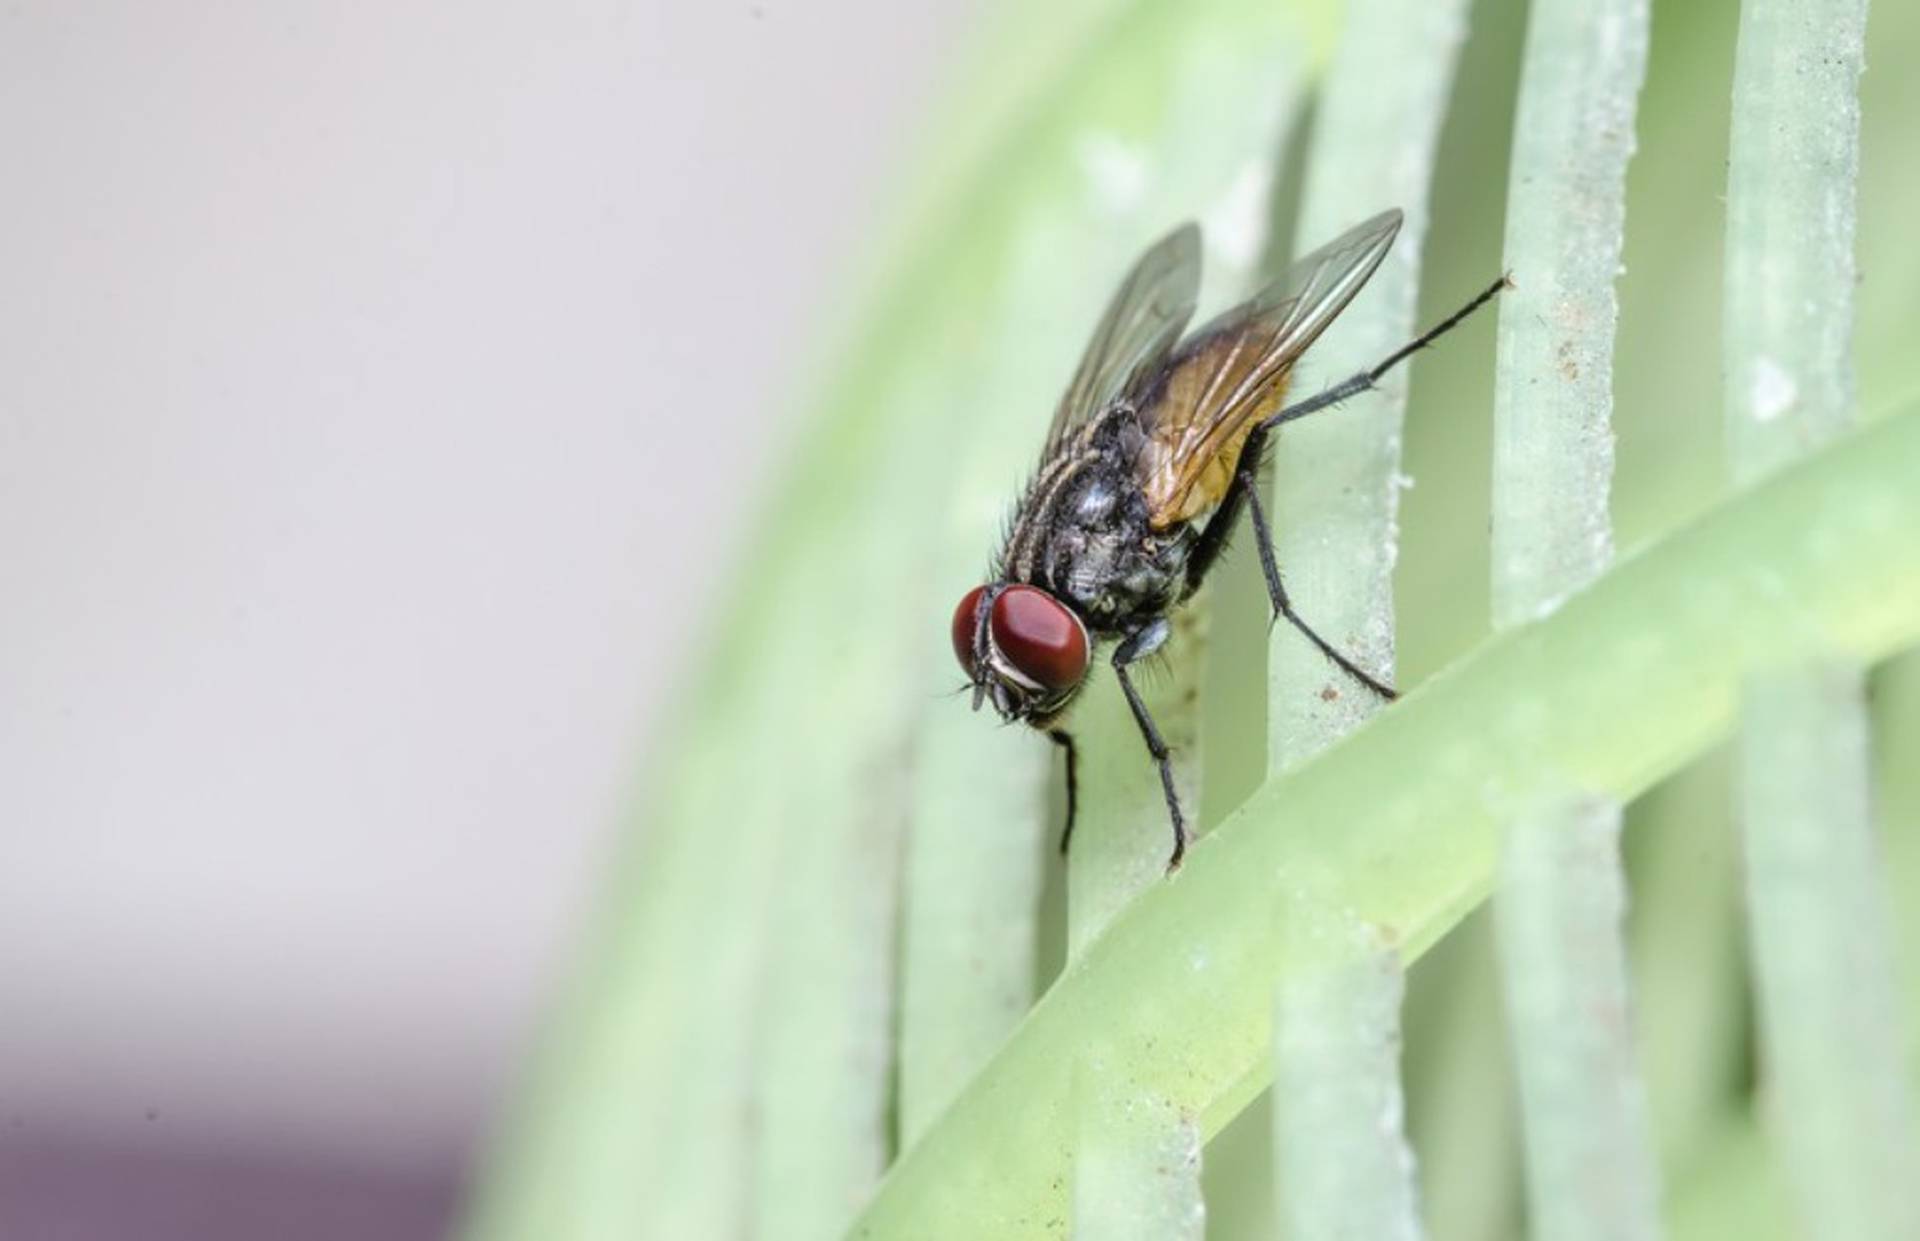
(1081, 485)
(1083, 531)
(1104, 558)
(1119, 583)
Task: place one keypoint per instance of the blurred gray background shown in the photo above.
(382, 390)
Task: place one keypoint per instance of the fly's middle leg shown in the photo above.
(1283, 607)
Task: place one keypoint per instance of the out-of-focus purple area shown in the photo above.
(383, 390)
(96, 1191)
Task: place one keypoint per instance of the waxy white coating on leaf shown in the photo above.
(1559, 908)
(1136, 1166)
(1589, 1164)
(1566, 218)
(1838, 1103)
(1791, 169)
(1774, 391)
(1342, 1167)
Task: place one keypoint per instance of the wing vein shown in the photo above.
(1210, 394)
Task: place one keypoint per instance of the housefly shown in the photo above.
(1154, 452)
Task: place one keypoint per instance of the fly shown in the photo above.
(1153, 453)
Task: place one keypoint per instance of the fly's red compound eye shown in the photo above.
(1040, 637)
(964, 617)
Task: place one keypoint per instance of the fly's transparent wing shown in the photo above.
(1134, 336)
(1232, 373)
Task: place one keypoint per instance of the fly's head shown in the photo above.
(1022, 649)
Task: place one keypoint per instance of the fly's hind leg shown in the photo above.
(1136, 646)
(1244, 492)
(1363, 382)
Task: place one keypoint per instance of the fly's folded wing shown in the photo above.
(1228, 376)
(1132, 340)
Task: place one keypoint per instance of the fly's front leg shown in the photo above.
(1136, 646)
(1064, 739)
